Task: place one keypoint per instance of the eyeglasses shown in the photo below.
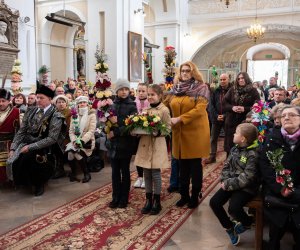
(185, 71)
(292, 115)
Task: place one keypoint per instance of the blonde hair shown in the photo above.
(296, 102)
(194, 72)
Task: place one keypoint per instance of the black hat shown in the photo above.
(5, 94)
(42, 89)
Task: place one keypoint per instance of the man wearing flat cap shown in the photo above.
(9, 124)
(31, 158)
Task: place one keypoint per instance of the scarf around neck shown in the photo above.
(291, 139)
(83, 114)
(191, 88)
(240, 92)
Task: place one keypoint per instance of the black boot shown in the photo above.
(194, 201)
(156, 205)
(148, 205)
(185, 196)
(72, 176)
(86, 174)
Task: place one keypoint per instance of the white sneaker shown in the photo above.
(138, 182)
(143, 183)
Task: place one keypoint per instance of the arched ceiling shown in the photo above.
(232, 45)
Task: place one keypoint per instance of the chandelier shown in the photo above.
(227, 2)
(255, 31)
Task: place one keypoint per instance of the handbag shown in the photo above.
(277, 202)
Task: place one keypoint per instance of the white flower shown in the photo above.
(105, 65)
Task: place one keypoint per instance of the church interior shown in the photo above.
(55, 41)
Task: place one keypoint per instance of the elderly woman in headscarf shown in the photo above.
(238, 101)
(190, 130)
(82, 136)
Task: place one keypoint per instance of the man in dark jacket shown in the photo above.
(217, 115)
(279, 97)
(30, 156)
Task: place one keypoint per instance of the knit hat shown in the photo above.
(5, 94)
(81, 98)
(121, 83)
(60, 97)
(42, 89)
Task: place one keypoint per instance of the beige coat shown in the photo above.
(152, 151)
(88, 132)
(190, 137)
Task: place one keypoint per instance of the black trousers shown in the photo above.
(27, 171)
(237, 200)
(276, 233)
(120, 179)
(215, 132)
(190, 171)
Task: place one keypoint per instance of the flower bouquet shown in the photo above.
(283, 176)
(102, 92)
(260, 118)
(145, 124)
(16, 77)
(169, 70)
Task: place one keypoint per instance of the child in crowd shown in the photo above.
(120, 145)
(239, 182)
(152, 152)
(141, 104)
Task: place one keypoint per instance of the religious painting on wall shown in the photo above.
(135, 57)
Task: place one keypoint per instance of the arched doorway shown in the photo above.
(228, 51)
(67, 48)
(268, 59)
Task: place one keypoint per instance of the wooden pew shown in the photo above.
(257, 204)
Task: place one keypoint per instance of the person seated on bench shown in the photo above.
(279, 164)
(239, 182)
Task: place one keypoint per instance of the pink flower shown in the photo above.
(287, 171)
(256, 108)
(169, 47)
(279, 179)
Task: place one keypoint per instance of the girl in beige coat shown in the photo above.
(152, 154)
(83, 145)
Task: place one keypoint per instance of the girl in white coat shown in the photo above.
(152, 154)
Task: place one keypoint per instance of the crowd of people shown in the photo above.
(57, 127)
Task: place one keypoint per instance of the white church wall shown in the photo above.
(26, 43)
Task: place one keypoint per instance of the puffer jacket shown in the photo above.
(240, 171)
(122, 145)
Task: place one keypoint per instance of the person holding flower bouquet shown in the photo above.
(121, 145)
(280, 168)
(82, 137)
(152, 153)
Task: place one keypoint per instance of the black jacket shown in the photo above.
(123, 145)
(216, 104)
(291, 161)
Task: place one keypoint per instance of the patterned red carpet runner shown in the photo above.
(88, 223)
